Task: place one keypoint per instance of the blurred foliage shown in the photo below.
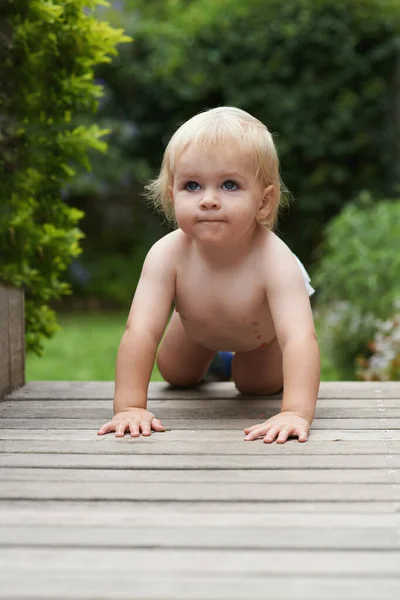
(319, 73)
(384, 363)
(48, 54)
(358, 278)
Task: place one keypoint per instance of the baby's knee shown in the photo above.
(251, 389)
(174, 376)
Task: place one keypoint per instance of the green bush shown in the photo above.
(49, 51)
(384, 362)
(358, 277)
(319, 73)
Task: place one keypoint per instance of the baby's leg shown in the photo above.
(181, 361)
(259, 371)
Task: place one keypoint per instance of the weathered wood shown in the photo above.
(239, 423)
(200, 535)
(206, 492)
(98, 561)
(16, 311)
(228, 508)
(273, 515)
(5, 386)
(12, 339)
(109, 444)
(353, 476)
(214, 409)
(198, 461)
(116, 585)
(104, 390)
(207, 436)
(196, 512)
(241, 404)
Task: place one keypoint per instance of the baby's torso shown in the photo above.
(225, 309)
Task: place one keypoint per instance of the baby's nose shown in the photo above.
(209, 200)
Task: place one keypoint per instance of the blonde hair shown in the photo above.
(207, 130)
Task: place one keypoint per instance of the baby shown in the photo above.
(235, 285)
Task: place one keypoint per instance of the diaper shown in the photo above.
(306, 277)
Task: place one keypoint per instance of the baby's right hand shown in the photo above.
(135, 420)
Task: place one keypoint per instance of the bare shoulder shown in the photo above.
(280, 264)
(166, 252)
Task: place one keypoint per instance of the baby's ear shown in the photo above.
(267, 202)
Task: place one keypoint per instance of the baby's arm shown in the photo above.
(137, 351)
(292, 316)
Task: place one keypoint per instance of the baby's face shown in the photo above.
(216, 197)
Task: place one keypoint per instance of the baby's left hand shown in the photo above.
(280, 427)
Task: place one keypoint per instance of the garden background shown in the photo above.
(91, 93)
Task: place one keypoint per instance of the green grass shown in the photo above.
(86, 349)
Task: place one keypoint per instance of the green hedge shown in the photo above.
(49, 51)
(358, 278)
(319, 73)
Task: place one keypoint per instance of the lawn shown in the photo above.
(86, 348)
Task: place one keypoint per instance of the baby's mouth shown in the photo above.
(210, 220)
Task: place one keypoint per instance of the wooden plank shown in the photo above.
(55, 424)
(160, 443)
(196, 404)
(207, 492)
(98, 390)
(228, 508)
(265, 460)
(150, 586)
(213, 410)
(328, 435)
(117, 561)
(12, 339)
(117, 515)
(5, 385)
(199, 403)
(353, 476)
(146, 535)
(16, 311)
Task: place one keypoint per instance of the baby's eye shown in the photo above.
(230, 185)
(192, 186)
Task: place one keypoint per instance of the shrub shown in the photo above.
(49, 51)
(319, 73)
(384, 363)
(358, 277)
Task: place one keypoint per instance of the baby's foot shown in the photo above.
(220, 368)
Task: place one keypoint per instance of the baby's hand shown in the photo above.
(135, 420)
(280, 427)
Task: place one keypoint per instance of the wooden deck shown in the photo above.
(197, 513)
